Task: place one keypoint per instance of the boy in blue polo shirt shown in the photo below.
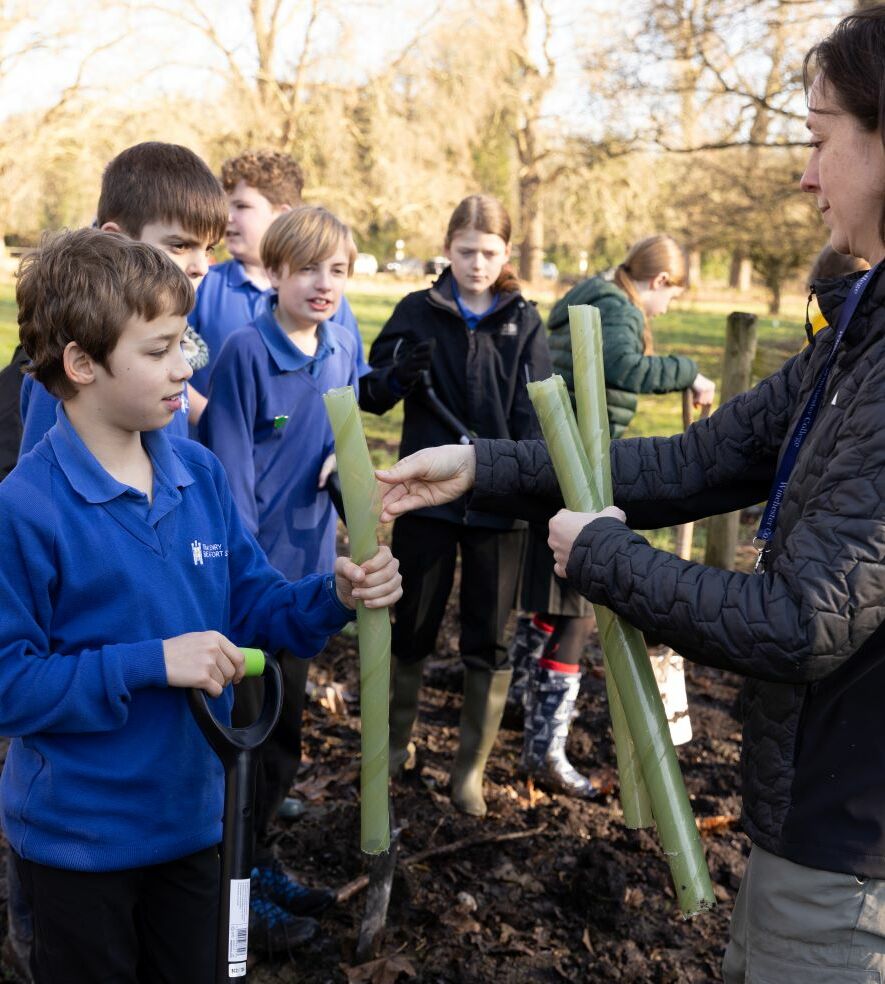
(127, 577)
(164, 195)
(260, 186)
(266, 422)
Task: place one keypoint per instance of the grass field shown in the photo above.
(695, 329)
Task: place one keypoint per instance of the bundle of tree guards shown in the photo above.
(651, 784)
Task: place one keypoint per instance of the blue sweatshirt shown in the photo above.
(267, 423)
(39, 407)
(227, 301)
(107, 768)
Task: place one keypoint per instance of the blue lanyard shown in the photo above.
(802, 428)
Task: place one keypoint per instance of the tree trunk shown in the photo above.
(531, 250)
(740, 272)
(737, 367)
(694, 268)
(774, 301)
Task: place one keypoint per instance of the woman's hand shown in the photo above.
(427, 478)
(565, 527)
(377, 582)
(703, 391)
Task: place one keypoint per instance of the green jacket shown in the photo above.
(627, 370)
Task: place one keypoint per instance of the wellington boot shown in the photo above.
(526, 649)
(548, 717)
(405, 684)
(485, 692)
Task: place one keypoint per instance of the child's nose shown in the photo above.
(198, 265)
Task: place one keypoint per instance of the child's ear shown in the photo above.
(660, 280)
(79, 367)
(111, 227)
(274, 278)
(507, 248)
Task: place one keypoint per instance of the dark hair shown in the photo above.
(484, 213)
(275, 175)
(852, 61)
(162, 182)
(83, 287)
(828, 265)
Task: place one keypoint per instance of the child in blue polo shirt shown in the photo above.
(128, 577)
(266, 422)
(165, 195)
(260, 186)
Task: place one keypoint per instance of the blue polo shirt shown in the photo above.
(267, 423)
(227, 300)
(107, 768)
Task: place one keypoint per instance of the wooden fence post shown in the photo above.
(737, 368)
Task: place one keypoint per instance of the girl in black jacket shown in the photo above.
(469, 344)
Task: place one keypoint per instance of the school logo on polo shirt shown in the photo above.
(207, 551)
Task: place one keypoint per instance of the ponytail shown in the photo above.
(646, 260)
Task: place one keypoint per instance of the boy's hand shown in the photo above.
(377, 582)
(329, 465)
(564, 529)
(206, 660)
(427, 478)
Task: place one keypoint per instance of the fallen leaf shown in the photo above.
(585, 939)
(384, 970)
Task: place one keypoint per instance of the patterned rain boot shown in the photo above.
(528, 643)
(549, 714)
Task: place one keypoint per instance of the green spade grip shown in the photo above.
(254, 661)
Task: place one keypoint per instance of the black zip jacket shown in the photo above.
(478, 375)
(808, 634)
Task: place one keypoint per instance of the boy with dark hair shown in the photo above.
(267, 424)
(260, 186)
(127, 578)
(164, 195)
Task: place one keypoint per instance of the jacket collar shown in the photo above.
(832, 294)
(442, 296)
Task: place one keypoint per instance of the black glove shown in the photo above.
(407, 370)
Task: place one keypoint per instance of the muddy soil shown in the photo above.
(578, 898)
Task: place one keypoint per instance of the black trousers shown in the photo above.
(490, 566)
(280, 756)
(150, 925)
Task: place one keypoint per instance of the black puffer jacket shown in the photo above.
(809, 635)
(479, 375)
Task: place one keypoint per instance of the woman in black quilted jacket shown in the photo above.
(807, 628)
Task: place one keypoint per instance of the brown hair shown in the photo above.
(852, 61)
(162, 182)
(484, 213)
(829, 264)
(304, 235)
(275, 175)
(83, 287)
(645, 260)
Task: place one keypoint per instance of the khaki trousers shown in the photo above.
(798, 925)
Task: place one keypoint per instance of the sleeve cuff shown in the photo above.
(337, 604)
(141, 664)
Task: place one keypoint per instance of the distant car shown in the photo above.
(365, 265)
(549, 271)
(405, 268)
(435, 265)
